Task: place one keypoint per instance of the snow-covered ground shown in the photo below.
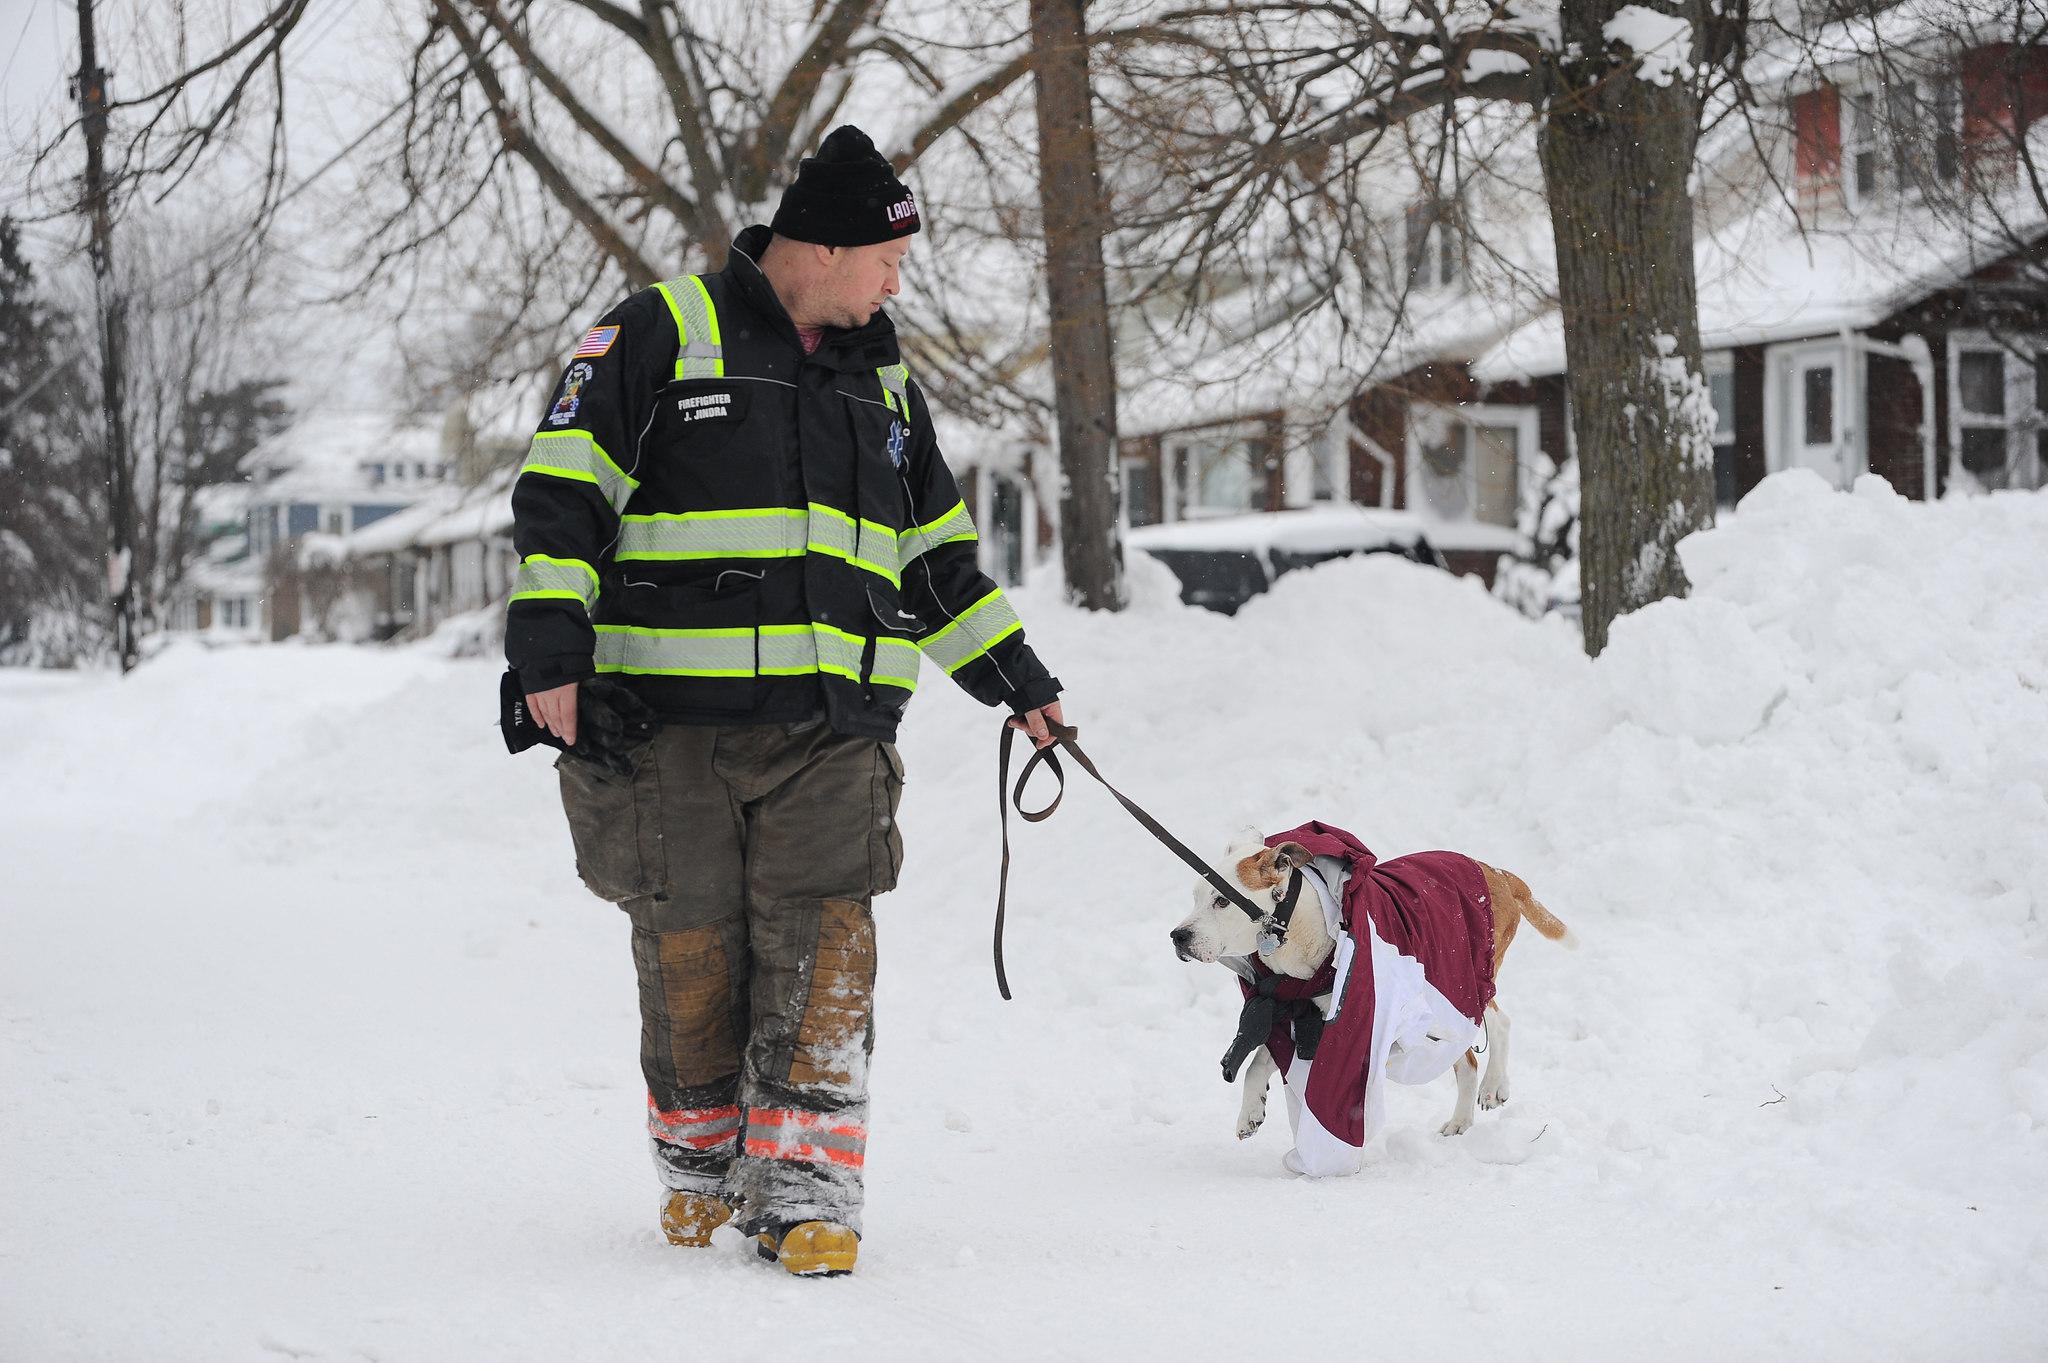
(312, 1045)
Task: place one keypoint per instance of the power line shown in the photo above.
(21, 38)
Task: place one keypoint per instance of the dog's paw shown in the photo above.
(1248, 1124)
(1489, 1099)
(1456, 1126)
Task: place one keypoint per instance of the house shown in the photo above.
(1871, 301)
(404, 576)
(329, 473)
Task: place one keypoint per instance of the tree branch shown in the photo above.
(512, 132)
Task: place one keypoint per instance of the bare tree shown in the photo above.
(200, 392)
(1083, 362)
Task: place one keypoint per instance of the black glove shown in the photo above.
(610, 723)
(520, 728)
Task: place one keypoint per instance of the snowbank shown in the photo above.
(314, 1045)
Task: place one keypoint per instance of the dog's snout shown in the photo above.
(1181, 938)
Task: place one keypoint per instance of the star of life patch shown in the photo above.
(597, 341)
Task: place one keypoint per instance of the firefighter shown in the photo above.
(738, 540)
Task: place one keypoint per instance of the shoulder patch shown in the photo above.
(597, 341)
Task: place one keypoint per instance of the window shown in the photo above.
(331, 520)
(1466, 461)
(1222, 473)
(1904, 137)
(1140, 493)
(234, 612)
(1007, 510)
(2000, 409)
(1435, 249)
(1721, 388)
(376, 472)
(1861, 149)
(1819, 407)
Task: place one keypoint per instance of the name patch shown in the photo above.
(704, 407)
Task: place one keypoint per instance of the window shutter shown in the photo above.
(1817, 135)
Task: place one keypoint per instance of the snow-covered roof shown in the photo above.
(447, 515)
(321, 456)
(1765, 279)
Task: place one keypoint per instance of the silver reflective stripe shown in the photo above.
(974, 632)
(896, 389)
(675, 652)
(840, 654)
(788, 651)
(896, 663)
(701, 1129)
(770, 651)
(762, 532)
(802, 1136)
(954, 525)
(700, 350)
(542, 578)
(576, 456)
(869, 545)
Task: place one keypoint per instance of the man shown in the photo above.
(737, 537)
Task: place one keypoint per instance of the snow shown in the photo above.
(1661, 42)
(324, 453)
(313, 1044)
(1308, 530)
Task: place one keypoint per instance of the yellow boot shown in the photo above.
(689, 1218)
(821, 1249)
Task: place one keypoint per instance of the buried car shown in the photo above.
(1224, 561)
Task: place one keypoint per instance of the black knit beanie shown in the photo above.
(846, 195)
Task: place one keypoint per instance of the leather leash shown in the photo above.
(1066, 737)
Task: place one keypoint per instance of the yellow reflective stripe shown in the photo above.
(922, 539)
(864, 544)
(896, 389)
(972, 633)
(700, 353)
(769, 651)
(577, 455)
(544, 578)
(748, 532)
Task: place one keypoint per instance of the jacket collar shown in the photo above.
(847, 350)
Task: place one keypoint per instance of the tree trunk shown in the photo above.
(1617, 152)
(1083, 363)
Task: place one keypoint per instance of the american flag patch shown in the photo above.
(597, 341)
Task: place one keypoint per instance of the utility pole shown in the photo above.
(92, 106)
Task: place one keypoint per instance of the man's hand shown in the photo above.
(1032, 722)
(555, 711)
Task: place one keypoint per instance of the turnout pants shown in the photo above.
(746, 857)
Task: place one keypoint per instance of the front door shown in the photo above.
(1816, 430)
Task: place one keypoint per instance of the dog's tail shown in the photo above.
(1548, 923)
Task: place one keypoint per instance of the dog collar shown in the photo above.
(1273, 926)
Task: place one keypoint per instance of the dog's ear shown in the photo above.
(1260, 870)
(1289, 855)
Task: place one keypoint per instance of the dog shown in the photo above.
(1429, 1034)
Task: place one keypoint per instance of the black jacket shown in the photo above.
(744, 534)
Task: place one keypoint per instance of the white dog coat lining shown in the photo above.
(1417, 1035)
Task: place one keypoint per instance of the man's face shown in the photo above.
(859, 280)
